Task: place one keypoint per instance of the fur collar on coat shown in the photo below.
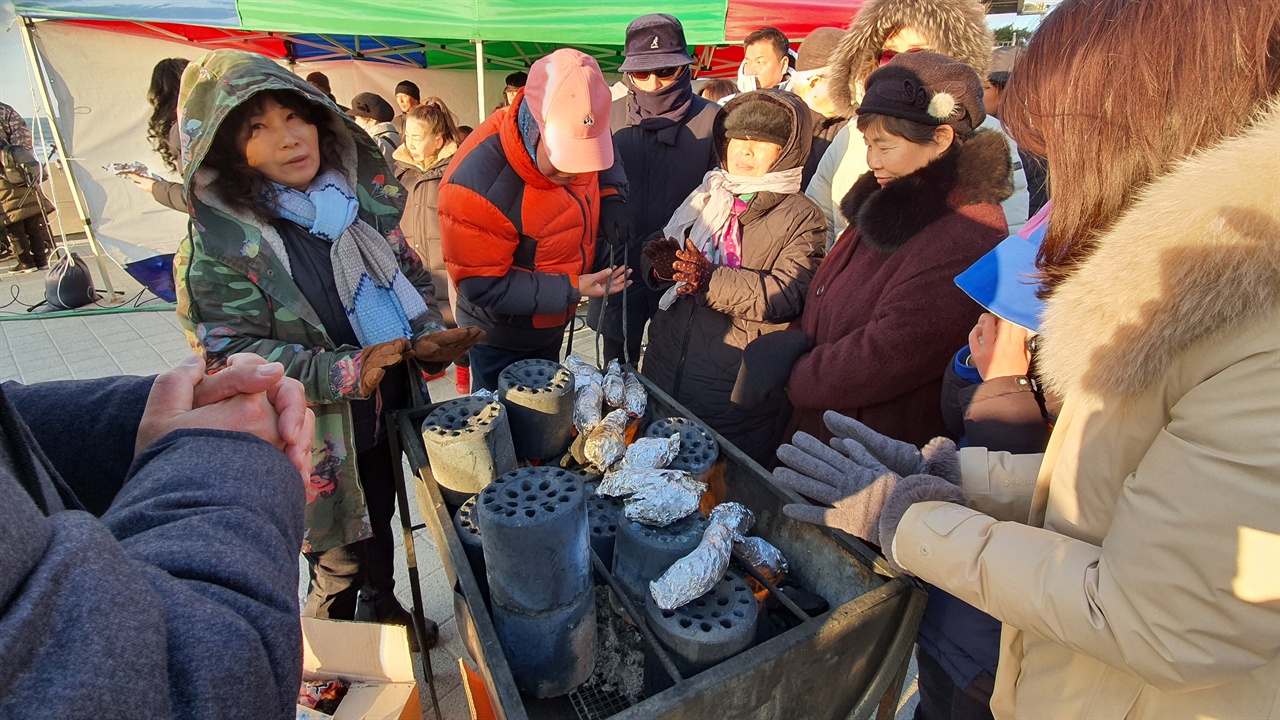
(1197, 255)
(957, 28)
(977, 172)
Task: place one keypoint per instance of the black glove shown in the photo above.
(615, 222)
(766, 366)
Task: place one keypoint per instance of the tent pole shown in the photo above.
(480, 79)
(33, 57)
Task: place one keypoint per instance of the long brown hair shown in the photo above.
(166, 78)
(1115, 92)
(438, 118)
(244, 188)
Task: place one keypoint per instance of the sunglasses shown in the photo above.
(887, 55)
(662, 73)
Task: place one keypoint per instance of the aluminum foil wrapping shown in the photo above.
(656, 497)
(634, 397)
(490, 395)
(606, 442)
(651, 453)
(695, 574)
(584, 373)
(762, 556)
(614, 385)
(588, 405)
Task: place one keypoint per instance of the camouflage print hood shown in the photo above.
(220, 81)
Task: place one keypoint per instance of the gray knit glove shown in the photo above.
(938, 457)
(866, 499)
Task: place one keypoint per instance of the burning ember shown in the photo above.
(760, 591)
(717, 489)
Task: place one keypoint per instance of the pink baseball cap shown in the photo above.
(570, 101)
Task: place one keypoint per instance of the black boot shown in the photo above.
(388, 611)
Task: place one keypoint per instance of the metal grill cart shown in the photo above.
(850, 661)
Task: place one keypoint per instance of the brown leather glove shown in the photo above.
(447, 345)
(693, 268)
(375, 359)
(661, 254)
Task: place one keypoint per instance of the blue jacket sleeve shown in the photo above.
(521, 292)
(71, 416)
(181, 601)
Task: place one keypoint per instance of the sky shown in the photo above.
(15, 74)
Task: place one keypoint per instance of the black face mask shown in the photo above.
(661, 108)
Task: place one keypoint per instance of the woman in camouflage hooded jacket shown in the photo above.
(295, 254)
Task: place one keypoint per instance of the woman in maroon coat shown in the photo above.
(883, 312)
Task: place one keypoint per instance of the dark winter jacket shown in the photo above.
(421, 221)
(884, 311)
(824, 131)
(174, 595)
(1036, 169)
(514, 241)
(388, 138)
(20, 193)
(695, 346)
(1013, 414)
(662, 167)
(1005, 414)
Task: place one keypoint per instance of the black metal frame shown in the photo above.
(879, 619)
(410, 551)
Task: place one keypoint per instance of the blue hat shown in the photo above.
(1004, 280)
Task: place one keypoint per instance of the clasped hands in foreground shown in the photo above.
(249, 395)
(253, 396)
(865, 480)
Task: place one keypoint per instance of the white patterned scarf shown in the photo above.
(379, 300)
(708, 208)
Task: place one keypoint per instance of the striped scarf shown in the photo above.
(379, 300)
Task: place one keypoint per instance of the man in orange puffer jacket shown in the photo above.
(519, 212)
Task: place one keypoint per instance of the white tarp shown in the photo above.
(100, 81)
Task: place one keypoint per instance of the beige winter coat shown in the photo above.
(1142, 575)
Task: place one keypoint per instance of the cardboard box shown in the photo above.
(373, 658)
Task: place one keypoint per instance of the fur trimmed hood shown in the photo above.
(1197, 255)
(957, 28)
(974, 173)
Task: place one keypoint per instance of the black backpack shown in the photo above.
(68, 284)
(20, 166)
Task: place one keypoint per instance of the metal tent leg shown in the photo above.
(33, 57)
(480, 80)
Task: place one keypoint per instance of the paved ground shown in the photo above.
(109, 342)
